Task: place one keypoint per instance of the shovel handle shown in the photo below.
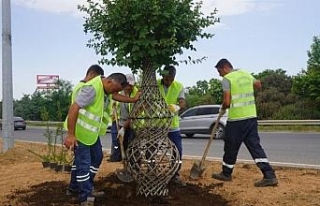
(213, 133)
(115, 114)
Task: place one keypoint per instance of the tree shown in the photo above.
(274, 94)
(306, 83)
(147, 34)
(29, 106)
(204, 92)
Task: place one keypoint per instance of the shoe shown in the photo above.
(98, 194)
(88, 202)
(266, 182)
(71, 192)
(178, 182)
(221, 176)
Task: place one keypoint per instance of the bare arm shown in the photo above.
(182, 103)
(121, 98)
(72, 118)
(226, 99)
(71, 140)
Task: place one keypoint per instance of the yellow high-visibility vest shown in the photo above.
(242, 104)
(172, 98)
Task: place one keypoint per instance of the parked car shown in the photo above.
(201, 120)
(18, 123)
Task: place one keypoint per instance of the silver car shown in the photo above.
(201, 119)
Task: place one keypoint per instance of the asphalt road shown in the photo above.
(281, 147)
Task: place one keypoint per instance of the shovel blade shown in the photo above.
(124, 175)
(197, 170)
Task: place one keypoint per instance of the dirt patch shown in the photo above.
(24, 182)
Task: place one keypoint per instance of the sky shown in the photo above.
(48, 39)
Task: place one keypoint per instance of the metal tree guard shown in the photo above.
(152, 158)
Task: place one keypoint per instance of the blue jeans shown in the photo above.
(85, 167)
(176, 138)
(115, 146)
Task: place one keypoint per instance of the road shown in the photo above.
(281, 147)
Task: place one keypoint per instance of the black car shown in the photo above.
(18, 123)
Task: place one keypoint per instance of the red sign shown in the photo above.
(47, 79)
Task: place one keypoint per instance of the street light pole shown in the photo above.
(7, 92)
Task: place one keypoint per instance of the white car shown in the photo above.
(201, 120)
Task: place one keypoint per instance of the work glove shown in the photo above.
(173, 108)
(121, 132)
(222, 112)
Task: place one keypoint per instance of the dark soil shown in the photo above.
(118, 193)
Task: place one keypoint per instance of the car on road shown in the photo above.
(201, 119)
(18, 123)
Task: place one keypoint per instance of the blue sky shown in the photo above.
(48, 38)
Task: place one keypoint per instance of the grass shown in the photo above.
(293, 128)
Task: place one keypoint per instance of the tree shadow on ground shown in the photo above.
(119, 194)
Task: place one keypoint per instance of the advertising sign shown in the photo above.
(47, 79)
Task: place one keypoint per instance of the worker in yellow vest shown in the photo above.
(123, 111)
(238, 96)
(85, 125)
(173, 93)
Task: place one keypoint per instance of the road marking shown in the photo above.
(284, 164)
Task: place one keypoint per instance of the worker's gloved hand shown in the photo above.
(173, 108)
(121, 132)
(222, 112)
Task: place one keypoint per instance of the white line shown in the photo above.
(190, 157)
(284, 164)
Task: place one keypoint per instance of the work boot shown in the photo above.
(178, 182)
(94, 193)
(266, 182)
(88, 202)
(221, 176)
(97, 194)
(71, 192)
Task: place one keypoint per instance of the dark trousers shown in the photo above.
(115, 145)
(245, 131)
(176, 138)
(85, 167)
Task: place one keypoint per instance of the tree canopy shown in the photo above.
(306, 83)
(130, 32)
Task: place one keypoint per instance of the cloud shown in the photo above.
(225, 7)
(53, 6)
(236, 7)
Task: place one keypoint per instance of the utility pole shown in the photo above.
(7, 92)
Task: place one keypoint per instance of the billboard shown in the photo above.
(47, 79)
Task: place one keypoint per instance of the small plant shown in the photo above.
(55, 155)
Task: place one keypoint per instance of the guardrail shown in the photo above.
(289, 122)
(260, 122)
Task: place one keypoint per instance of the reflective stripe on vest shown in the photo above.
(172, 98)
(242, 104)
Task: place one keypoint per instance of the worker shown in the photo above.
(173, 93)
(238, 97)
(84, 126)
(123, 111)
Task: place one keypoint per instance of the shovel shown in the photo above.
(122, 174)
(198, 167)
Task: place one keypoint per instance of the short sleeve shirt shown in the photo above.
(85, 96)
